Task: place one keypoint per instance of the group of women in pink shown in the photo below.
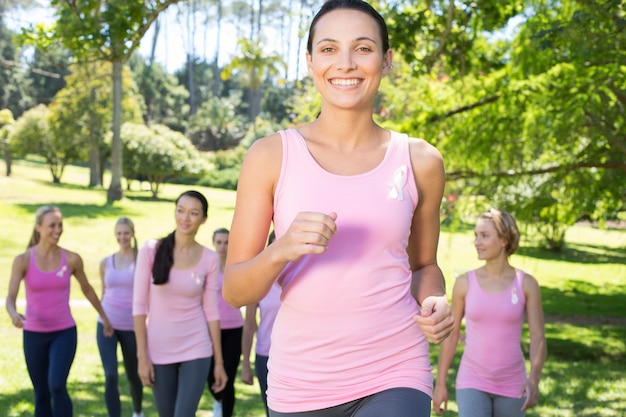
(350, 288)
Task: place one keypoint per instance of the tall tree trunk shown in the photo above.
(157, 26)
(95, 178)
(217, 78)
(115, 192)
(7, 157)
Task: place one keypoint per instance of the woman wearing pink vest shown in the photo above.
(49, 328)
(493, 300)
(355, 208)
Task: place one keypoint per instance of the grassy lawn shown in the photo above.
(583, 288)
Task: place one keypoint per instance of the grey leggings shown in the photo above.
(396, 402)
(475, 403)
(178, 387)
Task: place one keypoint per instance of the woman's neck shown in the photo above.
(498, 267)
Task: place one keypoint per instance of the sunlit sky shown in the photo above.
(172, 40)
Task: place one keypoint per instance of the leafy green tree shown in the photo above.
(6, 124)
(254, 66)
(15, 90)
(163, 97)
(217, 125)
(109, 31)
(157, 154)
(83, 111)
(542, 134)
(32, 134)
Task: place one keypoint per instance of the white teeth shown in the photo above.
(344, 82)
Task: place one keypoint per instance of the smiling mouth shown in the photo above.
(343, 82)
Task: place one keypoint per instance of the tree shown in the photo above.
(541, 133)
(6, 123)
(254, 66)
(109, 31)
(32, 134)
(83, 111)
(156, 154)
(15, 91)
(217, 125)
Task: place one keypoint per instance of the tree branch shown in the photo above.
(465, 108)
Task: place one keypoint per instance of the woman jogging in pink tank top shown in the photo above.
(355, 208)
(494, 299)
(117, 272)
(49, 328)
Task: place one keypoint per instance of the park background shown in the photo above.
(525, 99)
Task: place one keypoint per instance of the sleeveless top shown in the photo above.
(230, 317)
(118, 295)
(345, 328)
(493, 360)
(48, 296)
(179, 310)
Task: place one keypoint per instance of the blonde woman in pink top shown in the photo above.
(355, 208)
(175, 313)
(49, 329)
(493, 300)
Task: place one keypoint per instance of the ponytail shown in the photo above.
(163, 259)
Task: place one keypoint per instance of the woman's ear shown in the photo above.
(309, 63)
(387, 62)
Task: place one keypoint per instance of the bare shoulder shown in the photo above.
(460, 284)
(21, 261)
(423, 153)
(530, 284)
(266, 148)
(73, 259)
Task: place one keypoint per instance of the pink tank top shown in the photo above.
(118, 295)
(493, 360)
(230, 318)
(345, 328)
(48, 296)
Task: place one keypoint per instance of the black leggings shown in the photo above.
(396, 402)
(231, 350)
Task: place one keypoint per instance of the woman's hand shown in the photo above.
(18, 320)
(220, 378)
(146, 372)
(246, 374)
(435, 319)
(531, 391)
(309, 233)
(440, 397)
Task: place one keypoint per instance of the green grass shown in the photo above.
(583, 291)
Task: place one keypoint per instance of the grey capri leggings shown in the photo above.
(396, 402)
(475, 403)
(178, 387)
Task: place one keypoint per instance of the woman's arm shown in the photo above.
(251, 267)
(103, 264)
(538, 351)
(428, 284)
(448, 346)
(250, 327)
(141, 291)
(219, 373)
(76, 265)
(18, 270)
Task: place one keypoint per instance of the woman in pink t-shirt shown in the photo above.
(175, 313)
(493, 300)
(117, 272)
(355, 208)
(49, 328)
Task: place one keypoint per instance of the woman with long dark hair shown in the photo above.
(176, 315)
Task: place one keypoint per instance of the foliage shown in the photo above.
(15, 92)
(49, 67)
(254, 66)
(83, 111)
(163, 97)
(217, 124)
(544, 134)
(156, 153)
(32, 134)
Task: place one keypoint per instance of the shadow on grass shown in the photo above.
(88, 401)
(91, 211)
(578, 253)
(581, 298)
